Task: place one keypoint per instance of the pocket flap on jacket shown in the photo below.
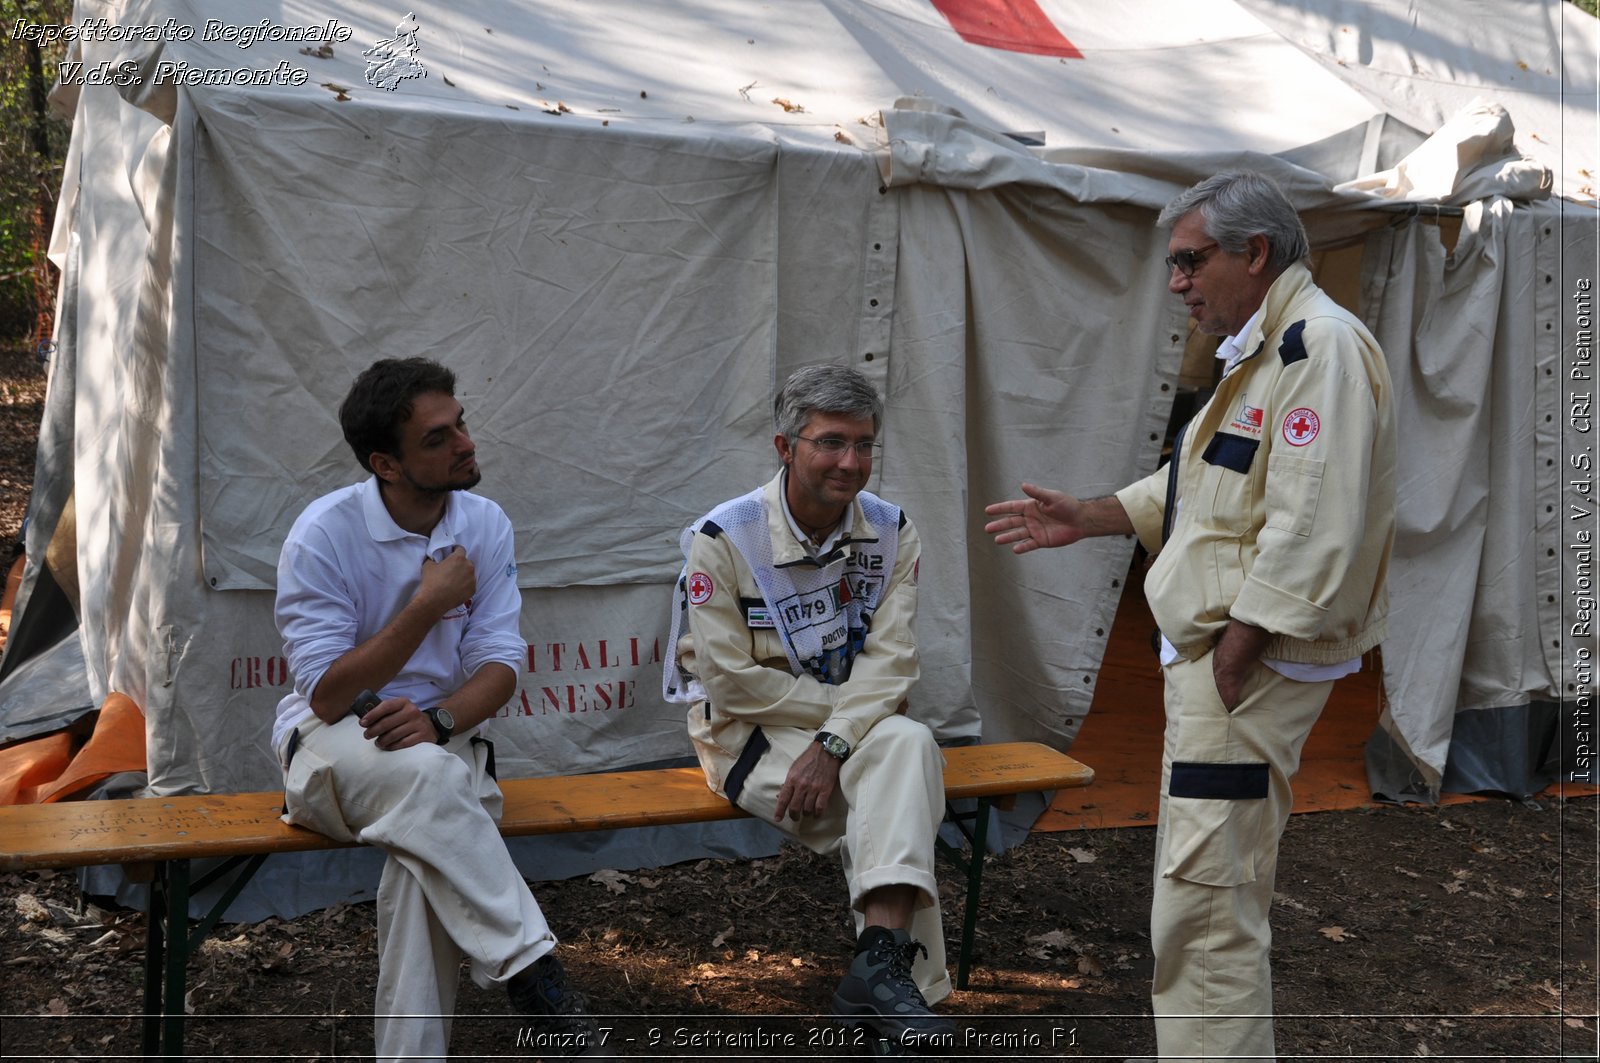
(1231, 451)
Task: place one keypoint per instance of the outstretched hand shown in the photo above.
(1044, 518)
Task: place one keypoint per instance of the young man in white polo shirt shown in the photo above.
(405, 584)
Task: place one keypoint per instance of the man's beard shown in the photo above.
(462, 483)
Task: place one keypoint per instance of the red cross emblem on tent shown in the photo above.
(1300, 427)
(700, 588)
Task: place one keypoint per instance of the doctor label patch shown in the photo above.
(1301, 426)
(700, 588)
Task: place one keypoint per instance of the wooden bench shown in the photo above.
(158, 837)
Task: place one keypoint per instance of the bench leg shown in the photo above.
(166, 958)
(169, 943)
(980, 854)
(154, 961)
(972, 867)
(177, 965)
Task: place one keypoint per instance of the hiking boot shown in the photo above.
(878, 992)
(559, 1019)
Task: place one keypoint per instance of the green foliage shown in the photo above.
(1588, 5)
(33, 145)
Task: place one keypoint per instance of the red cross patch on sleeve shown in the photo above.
(1301, 426)
(700, 588)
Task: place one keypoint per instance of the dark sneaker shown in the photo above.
(878, 992)
(559, 1019)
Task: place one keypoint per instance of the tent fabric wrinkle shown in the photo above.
(1472, 157)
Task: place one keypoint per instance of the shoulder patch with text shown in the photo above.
(700, 588)
(1301, 426)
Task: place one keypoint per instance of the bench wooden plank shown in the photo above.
(81, 833)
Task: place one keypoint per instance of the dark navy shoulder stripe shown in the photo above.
(1293, 347)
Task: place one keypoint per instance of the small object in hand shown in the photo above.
(365, 702)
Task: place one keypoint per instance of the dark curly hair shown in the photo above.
(380, 401)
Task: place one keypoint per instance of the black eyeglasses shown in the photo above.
(834, 447)
(1186, 262)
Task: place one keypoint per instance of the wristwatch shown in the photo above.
(443, 723)
(833, 745)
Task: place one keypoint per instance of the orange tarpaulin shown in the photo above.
(28, 767)
(55, 766)
(1121, 738)
(47, 769)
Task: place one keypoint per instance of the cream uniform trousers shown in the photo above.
(1225, 799)
(882, 822)
(449, 888)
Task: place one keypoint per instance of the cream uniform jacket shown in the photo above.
(745, 669)
(1287, 485)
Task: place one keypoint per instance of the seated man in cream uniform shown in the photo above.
(794, 645)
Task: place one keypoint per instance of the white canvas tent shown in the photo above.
(622, 223)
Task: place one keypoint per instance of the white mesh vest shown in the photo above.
(821, 612)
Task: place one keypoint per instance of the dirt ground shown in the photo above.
(1455, 933)
(1466, 932)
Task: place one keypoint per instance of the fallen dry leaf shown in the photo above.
(789, 108)
(1055, 939)
(721, 938)
(1090, 966)
(1334, 933)
(31, 909)
(1082, 856)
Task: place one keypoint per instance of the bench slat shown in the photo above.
(81, 833)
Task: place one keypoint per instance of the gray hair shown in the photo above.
(824, 389)
(1239, 205)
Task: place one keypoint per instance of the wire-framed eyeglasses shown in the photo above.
(1186, 262)
(835, 447)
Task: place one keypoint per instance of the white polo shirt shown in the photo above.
(347, 569)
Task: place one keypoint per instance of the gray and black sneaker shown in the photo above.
(878, 992)
(558, 1014)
